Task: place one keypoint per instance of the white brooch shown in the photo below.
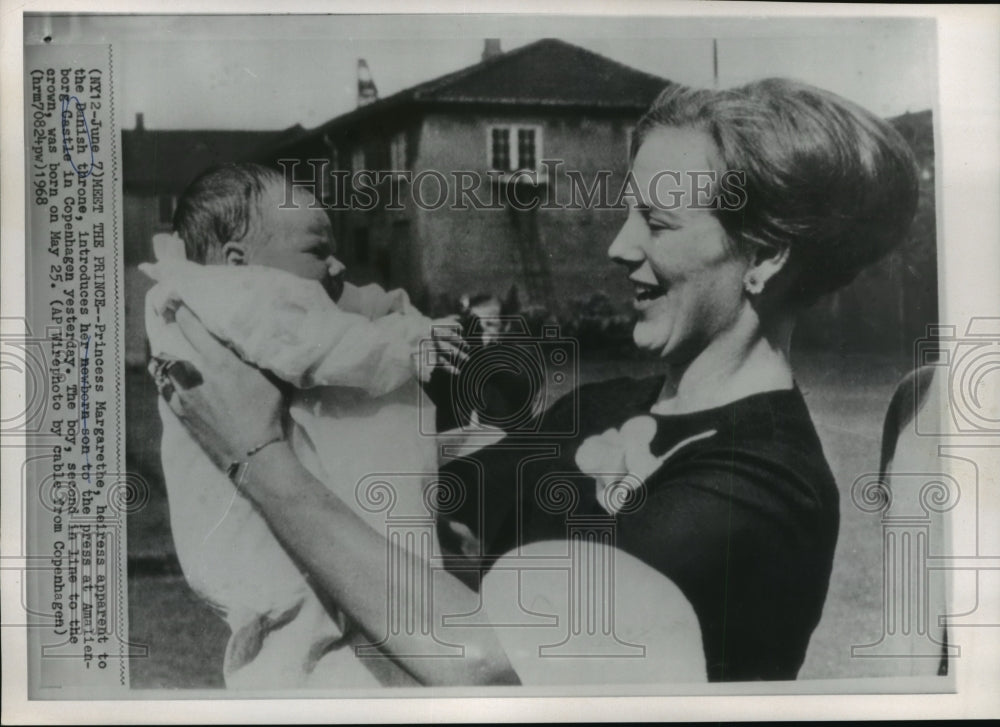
(620, 461)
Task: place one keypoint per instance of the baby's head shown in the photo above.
(232, 215)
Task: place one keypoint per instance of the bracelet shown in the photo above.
(236, 471)
(269, 442)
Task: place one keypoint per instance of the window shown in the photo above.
(512, 148)
(500, 150)
(357, 159)
(526, 158)
(629, 133)
(397, 152)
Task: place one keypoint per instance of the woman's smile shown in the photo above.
(646, 294)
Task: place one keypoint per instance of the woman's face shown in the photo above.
(687, 276)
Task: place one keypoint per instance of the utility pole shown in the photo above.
(715, 62)
(367, 92)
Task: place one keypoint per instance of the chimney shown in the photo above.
(491, 49)
(367, 92)
(139, 125)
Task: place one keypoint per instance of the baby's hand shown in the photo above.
(449, 346)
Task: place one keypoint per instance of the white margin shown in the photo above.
(968, 151)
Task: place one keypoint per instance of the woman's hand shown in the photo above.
(227, 405)
(230, 408)
(450, 349)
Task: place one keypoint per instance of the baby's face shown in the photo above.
(299, 241)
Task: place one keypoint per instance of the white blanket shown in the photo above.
(355, 413)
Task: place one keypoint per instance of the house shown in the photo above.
(536, 123)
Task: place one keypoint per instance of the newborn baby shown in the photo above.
(264, 280)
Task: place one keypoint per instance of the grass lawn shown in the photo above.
(847, 396)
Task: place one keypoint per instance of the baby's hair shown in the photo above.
(220, 206)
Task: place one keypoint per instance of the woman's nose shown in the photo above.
(626, 248)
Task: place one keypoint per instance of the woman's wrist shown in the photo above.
(275, 474)
(273, 439)
(238, 467)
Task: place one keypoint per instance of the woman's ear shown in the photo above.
(234, 253)
(764, 265)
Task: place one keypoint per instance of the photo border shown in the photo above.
(967, 131)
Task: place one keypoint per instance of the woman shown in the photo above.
(731, 496)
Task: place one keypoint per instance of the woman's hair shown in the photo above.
(824, 178)
(219, 206)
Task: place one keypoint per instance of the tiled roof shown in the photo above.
(165, 161)
(548, 72)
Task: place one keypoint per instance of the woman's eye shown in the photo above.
(658, 226)
(655, 225)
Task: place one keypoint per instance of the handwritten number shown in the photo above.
(65, 112)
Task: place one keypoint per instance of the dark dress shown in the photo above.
(486, 385)
(744, 521)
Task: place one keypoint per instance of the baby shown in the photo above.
(264, 280)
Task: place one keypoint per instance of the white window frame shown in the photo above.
(512, 130)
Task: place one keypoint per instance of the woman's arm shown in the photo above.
(232, 410)
(348, 561)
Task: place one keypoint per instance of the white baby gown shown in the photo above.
(355, 412)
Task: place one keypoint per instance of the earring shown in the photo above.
(752, 285)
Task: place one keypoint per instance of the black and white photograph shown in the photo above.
(510, 355)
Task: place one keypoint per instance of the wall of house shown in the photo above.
(375, 245)
(469, 251)
(378, 247)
